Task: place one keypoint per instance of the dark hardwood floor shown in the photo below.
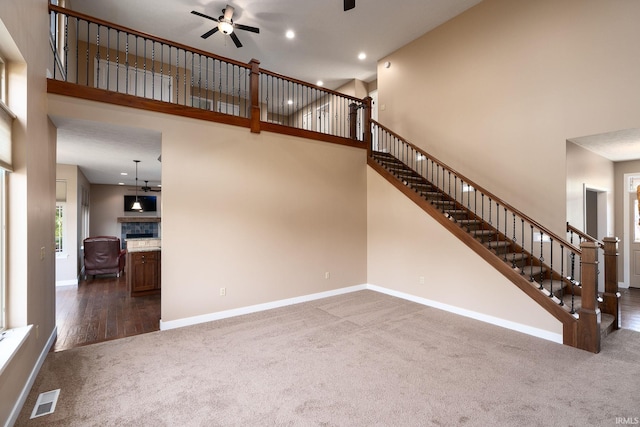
(101, 309)
(630, 307)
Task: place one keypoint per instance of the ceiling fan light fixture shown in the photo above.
(225, 27)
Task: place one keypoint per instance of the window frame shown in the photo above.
(3, 249)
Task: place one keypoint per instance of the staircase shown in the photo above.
(558, 291)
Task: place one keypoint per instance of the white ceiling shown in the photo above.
(617, 146)
(327, 43)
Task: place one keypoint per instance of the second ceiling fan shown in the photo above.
(226, 25)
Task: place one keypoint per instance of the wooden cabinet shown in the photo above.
(143, 272)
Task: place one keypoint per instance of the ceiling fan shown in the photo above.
(226, 25)
(146, 188)
(349, 4)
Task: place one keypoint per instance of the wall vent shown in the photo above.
(46, 403)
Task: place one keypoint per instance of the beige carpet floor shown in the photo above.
(361, 359)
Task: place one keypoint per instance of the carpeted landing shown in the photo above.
(360, 359)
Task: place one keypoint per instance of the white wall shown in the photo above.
(405, 244)
(31, 205)
(496, 92)
(264, 216)
(67, 261)
(587, 169)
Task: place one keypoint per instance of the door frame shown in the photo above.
(626, 259)
(602, 225)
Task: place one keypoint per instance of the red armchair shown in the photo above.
(102, 255)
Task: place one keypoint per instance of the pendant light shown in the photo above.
(136, 205)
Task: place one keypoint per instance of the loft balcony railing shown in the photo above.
(111, 63)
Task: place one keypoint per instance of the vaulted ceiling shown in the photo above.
(326, 46)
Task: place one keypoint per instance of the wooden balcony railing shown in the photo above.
(99, 60)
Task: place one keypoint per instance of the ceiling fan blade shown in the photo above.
(349, 4)
(247, 28)
(204, 16)
(228, 12)
(235, 39)
(209, 33)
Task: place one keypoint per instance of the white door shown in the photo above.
(324, 119)
(634, 241)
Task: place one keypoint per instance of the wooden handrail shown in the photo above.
(311, 85)
(483, 190)
(104, 23)
(583, 236)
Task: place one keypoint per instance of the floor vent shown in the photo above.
(46, 403)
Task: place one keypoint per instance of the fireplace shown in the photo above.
(138, 227)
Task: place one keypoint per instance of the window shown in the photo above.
(3, 269)
(3, 82)
(56, 35)
(6, 122)
(61, 202)
(59, 228)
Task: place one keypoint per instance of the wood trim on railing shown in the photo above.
(590, 317)
(498, 263)
(583, 236)
(481, 189)
(611, 296)
(300, 82)
(255, 95)
(94, 20)
(59, 87)
(309, 134)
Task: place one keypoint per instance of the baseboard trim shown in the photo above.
(529, 330)
(188, 321)
(67, 282)
(623, 285)
(519, 327)
(32, 378)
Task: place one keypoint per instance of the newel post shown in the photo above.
(255, 95)
(367, 124)
(611, 297)
(589, 320)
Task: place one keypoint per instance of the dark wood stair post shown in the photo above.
(611, 297)
(367, 124)
(255, 95)
(589, 320)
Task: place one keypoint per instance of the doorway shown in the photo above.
(631, 218)
(595, 220)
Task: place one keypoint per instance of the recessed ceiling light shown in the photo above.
(320, 83)
(290, 34)
(124, 173)
(362, 56)
(290, 102)
(121, 183)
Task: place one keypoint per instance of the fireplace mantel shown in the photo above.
(139, 219)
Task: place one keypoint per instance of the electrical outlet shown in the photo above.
(421, 280)
(42, 252)
(223, 292)
(327, 275)
(37, 331)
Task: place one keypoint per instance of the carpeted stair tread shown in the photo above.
(534, 270)
(514, 256)
(557, 285)
(497, 244)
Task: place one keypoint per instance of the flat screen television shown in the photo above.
(148, 203)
